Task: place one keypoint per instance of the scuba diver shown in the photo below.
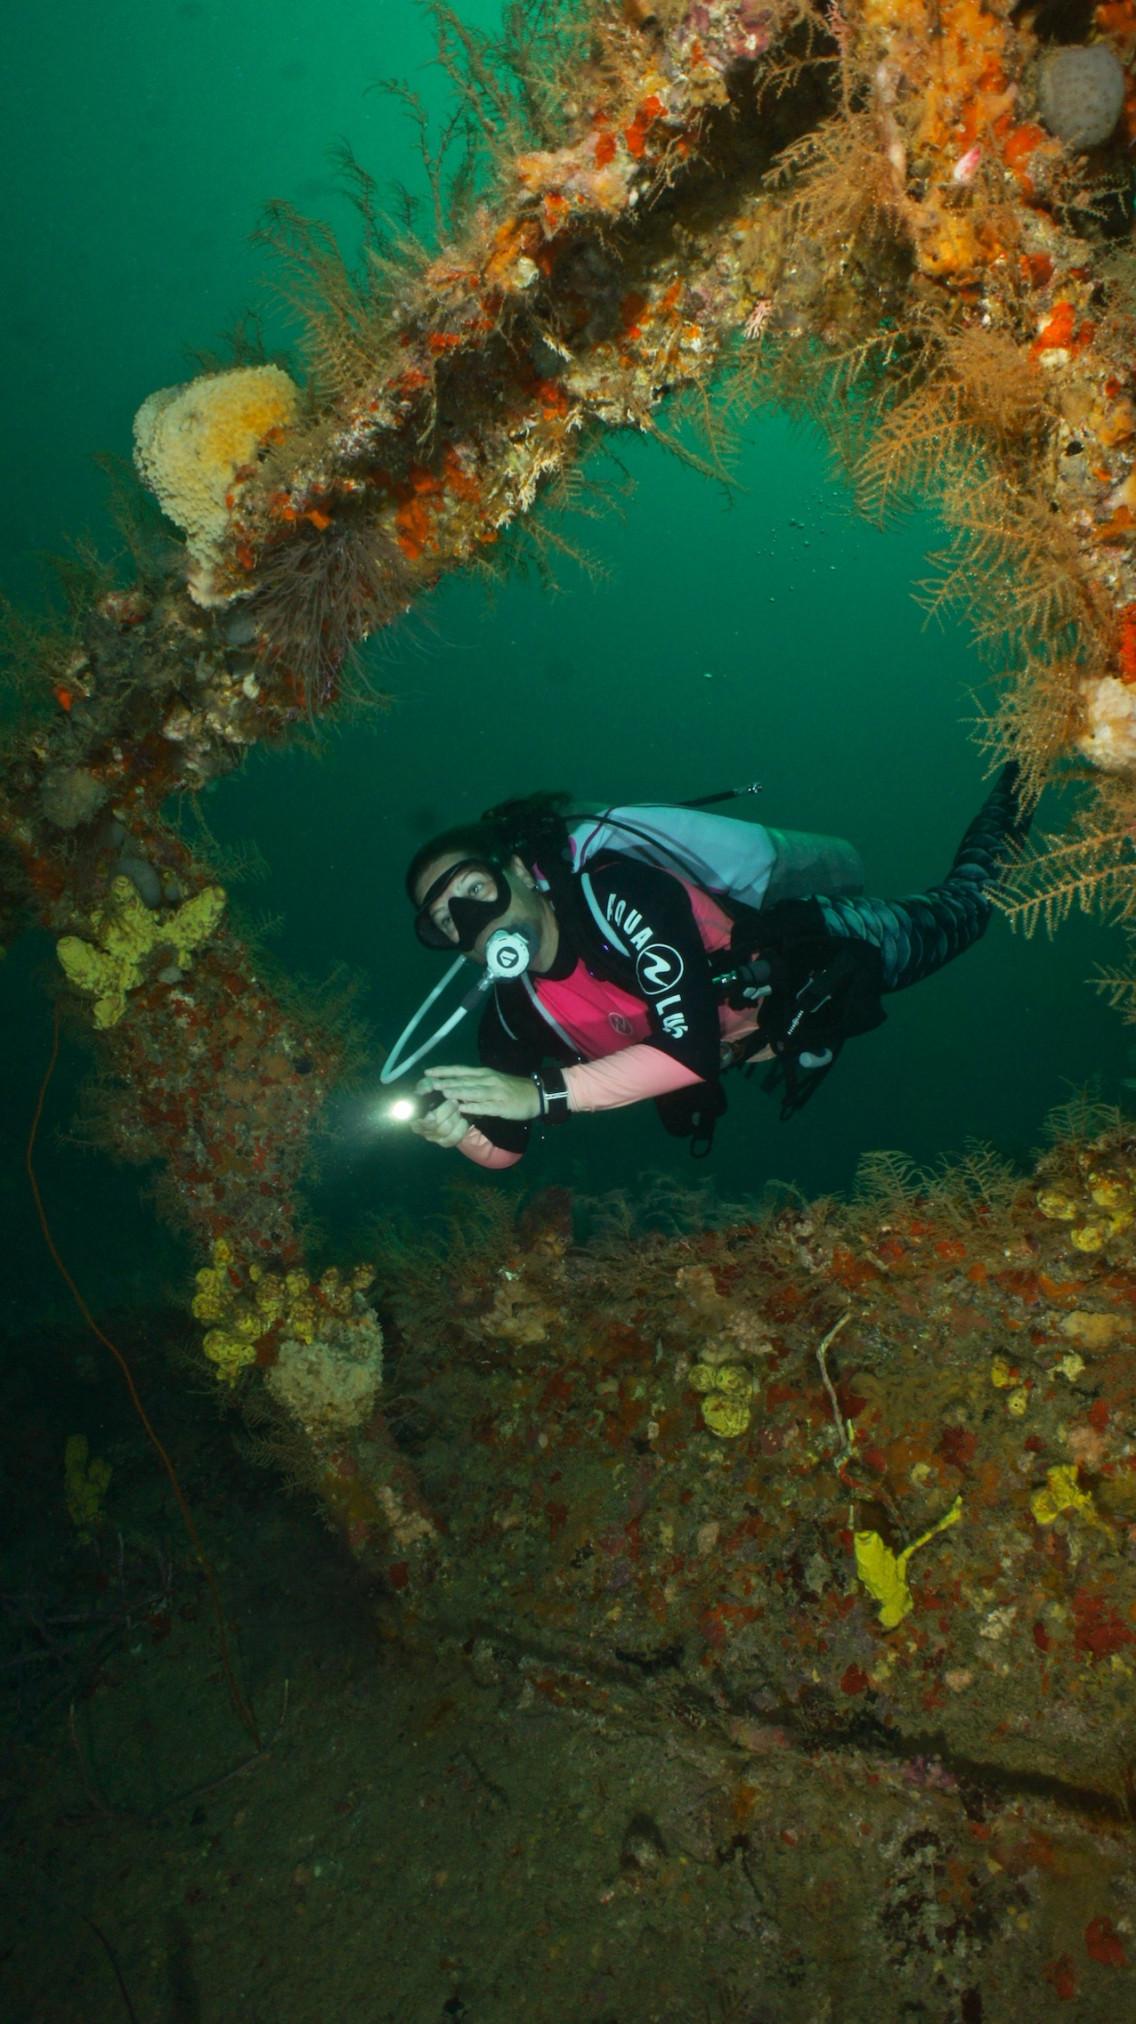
(643, 952)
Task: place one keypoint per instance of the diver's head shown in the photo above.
(479, 877)
(462, 900)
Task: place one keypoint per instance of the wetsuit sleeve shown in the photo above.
(627, 1077)
(646, 917)
(483, 1152)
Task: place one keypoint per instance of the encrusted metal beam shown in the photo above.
(904, 208)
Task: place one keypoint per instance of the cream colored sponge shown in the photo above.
(194, 445)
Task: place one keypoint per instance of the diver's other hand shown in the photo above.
(483, 1092)
(443, 1124)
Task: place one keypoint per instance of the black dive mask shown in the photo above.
(470, 915)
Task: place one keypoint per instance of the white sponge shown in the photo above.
(1081, 91)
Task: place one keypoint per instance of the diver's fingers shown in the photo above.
(445, 1125)
(486, 1092)
(468, 1085)
(472, 1088)
(455, 1084)
(441, 1117)
(453, 1076)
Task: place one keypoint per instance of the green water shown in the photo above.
(760, 634)
(768, 634)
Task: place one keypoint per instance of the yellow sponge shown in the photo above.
(124, 933)
(884, 1573)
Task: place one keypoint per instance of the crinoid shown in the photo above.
(887, 1180)
(973, 1188)
(1118, 984)
(319, 593)
(1093, 868)
(1033, 720)
(842, 191)
(344, 317)
(1082, 1116)
(968, 394)
(34, 655)
(1015, 566)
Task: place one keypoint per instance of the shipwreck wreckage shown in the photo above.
(910, 1540)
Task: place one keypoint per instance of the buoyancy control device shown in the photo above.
(757, 873)
(751, 868)
(746, 864)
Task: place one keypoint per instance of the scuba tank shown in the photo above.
(747, 863)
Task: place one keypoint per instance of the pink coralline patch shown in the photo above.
(1099, 1631)
(720, 36)
(929, 1775)
(1087, 1445)
(758, 317)
(966, 167)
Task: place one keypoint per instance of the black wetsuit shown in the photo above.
(827, 963)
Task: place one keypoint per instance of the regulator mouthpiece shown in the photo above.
(508, 952)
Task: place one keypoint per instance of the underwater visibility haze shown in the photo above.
(623, 1587)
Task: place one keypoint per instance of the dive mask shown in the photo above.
(470, 913)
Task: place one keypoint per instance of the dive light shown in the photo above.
(405, 1109)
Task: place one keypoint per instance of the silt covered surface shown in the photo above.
(635, 1744)
(983, 1372)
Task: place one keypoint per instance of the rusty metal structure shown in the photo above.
(843, 1496)
(834, 1509)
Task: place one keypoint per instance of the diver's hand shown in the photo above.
(482, 1092)
(444, 1125)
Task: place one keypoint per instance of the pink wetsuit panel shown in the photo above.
(612, 1028)
(598, 1017)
